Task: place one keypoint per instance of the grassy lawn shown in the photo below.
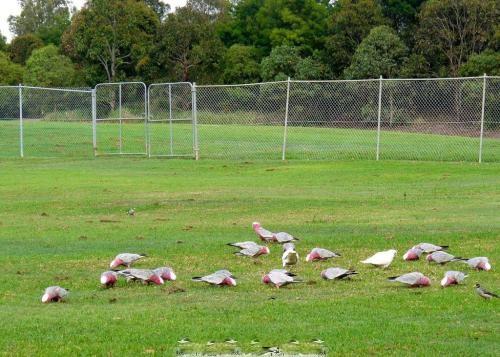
(64, 139)
(62, 221)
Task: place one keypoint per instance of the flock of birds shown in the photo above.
(282, 277)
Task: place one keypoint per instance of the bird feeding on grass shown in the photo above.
(262, 233)
(381, 259)
(290, 256)
(452, 277)
(280, 277)
(442, 258)
(485, 293)
(125, 259)
(321, 254)
(220, 278)
(254, 251)
(414, 279)
(108, 279)
(166, 273)
(413, 254)
(54, 294)
(430, 248)
(243, 245)
(284, 237)
(147, 276)
(479, 263)
(337, 273)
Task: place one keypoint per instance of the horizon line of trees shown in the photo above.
(244, 41)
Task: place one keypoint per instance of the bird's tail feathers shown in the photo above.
(196, 278)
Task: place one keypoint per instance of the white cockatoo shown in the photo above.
(381, 259)
(290, 255)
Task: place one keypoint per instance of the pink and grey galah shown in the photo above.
(243, 245)
(280, 277)
(220, 278)
(147, 276)
(381, 259)
(55, 294)
(125, 259)
(262, 233)
(166, 273)
(452, 277)
(414, 279)
(284, 237)
(337, 273)
(441, 257)
(321, 254)
(429, 247)
(479, 263)
(254, 251)
(413, 254)
(108, 279)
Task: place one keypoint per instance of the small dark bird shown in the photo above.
(131, 212)
(485, 293)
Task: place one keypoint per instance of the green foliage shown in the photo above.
(22, 46)
(403, 17)
(48, 19)
(485, 62)
(350, 22)
(241, 64)
(416, 66)
(10, 73)
(280, 64)
(3, 43)
(160, 8)
(380, 54)
(46, 67)
(309, 68)
(113, 33)
(452, 30)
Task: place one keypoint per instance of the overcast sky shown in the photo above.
(11, 7)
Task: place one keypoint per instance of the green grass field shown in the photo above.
(62, 221)
(66, 139)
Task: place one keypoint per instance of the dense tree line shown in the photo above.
(223, 41)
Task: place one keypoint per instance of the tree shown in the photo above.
(415, 66)
(381, 53)
(160, 9)
(241, 64)
(350, 22)
(10, 73)
(117, 34)
(280, 64)
(485, 62)
(3, 43)
(455, 29)
(403, 17)
(309, 68)
(48, 19)
(47, 68)
(188, 44)
(22, 46)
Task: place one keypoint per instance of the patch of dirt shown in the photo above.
(44, 214)
(61, 277)
(112, 300)
(187, 228)
(103, 220)
(175, 290)
(139, 238)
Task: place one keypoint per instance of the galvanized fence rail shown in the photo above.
(452, 119)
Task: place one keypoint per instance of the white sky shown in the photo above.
(11, 7)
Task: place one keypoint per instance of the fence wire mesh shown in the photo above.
(121, 118)
(453, 119)
(170, 120)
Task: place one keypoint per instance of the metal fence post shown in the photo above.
(94, 122)
(379, 116)
(194, 110)
(482, 120)
(285, 131)
(21, 133)
(120, 115)
(170, 119)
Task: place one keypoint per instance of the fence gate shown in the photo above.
(120, 122)
(172, 120)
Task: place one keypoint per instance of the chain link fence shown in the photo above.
(452, 119)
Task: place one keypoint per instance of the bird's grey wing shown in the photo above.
(410, 278)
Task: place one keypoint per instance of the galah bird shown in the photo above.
(264, 234)
(283, 237)
(290, 256)
(452, 277)
(254, 251)
(145, 275)
(221, 278)
(321, 254)
(429, 248)
(55, 294)
(125, 259)
(280, 277)
(381, 259)
(413, 254)
(243, 245)
(485, 293)
(337, 273)
(108, 279)
(479, 263)
(166, 273)
(412, 279)
(441, 257)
